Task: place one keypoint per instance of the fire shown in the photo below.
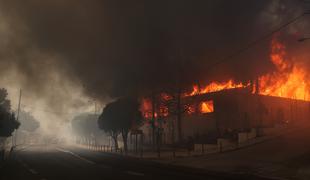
(278, 55)
(160, 109)
(191, 109)
(289, 81)
(146, 108)
(215, 86)
(206, 107)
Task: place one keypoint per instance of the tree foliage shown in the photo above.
(8, 122)
(28, 122)
(85, 125)
(119, 117)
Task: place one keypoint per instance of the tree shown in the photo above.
(108, 124)
(28, 122)
(8, 122)
(119, 117)
(85, 126)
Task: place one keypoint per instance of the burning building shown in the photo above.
(239, 110)
(230, 111)
(222, 108)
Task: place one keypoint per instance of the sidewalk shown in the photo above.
(284, 155)
(170, 154)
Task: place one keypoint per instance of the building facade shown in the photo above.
(225, 114)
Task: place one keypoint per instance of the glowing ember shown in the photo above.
(206, 107)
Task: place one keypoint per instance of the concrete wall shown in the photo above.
(198, 125)
(246, 136)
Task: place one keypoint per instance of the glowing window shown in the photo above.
(206, 107)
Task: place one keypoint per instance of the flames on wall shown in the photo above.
(288, 81)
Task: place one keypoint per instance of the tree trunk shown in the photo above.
(125, 137)
(115, 141)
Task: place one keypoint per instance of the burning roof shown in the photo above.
(288, 81)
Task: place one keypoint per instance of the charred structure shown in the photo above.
(226, 113)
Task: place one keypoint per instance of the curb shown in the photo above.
(192, 170)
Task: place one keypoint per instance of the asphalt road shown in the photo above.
(47, 162)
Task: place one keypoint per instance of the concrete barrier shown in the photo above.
(242, 137)
(252, 134)
(226, 144)
(205, 147)
(246, 136)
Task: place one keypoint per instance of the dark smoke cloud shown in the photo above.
(119, 47)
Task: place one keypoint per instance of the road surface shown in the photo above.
(46, 162)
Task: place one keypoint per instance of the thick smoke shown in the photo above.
(121, 47)
(63, 50)
(49, 91)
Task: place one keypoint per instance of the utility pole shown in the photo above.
(17, 118)
(95, 107)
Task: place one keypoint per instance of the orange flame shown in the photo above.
(206, 107)
(290, 79)
(215, 86)
(146, 108)
(160, 109)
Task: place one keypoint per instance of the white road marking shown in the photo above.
(28, 168)
(75, 155)
(134, 173)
